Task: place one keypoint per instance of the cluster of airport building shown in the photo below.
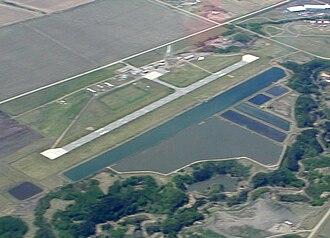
(308, 8)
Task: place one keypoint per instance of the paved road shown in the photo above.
(58, 152)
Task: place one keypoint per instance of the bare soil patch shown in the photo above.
(14, 136)
(10, 15)
(263, 218)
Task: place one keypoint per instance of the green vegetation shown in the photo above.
(293, 198)
(127, 197)
(306, 146)
(214, 63)
(229, 49)
(326, 133)
(51, 120)
(185, 217)
(242, 38)
(184, 75)
(240, 198)
(318, 188)
(281, 177)
(231, 29)
(304, 75)
(12, 227)
(44, 96)
(204, 171)
(259, 192)
(304, 111)
(116, 104)
(317, 162)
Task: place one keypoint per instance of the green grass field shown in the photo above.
(313, 44)
(42, 97)
(214, 63)
(147, 58)
(115, 105)
(184, 75)
(52, 119)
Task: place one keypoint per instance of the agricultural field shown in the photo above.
(52, 53)
(10, 15)
(49, 6)
(219, 11)
(14, 136)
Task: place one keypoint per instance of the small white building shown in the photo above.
(308, 7)
(296, 9)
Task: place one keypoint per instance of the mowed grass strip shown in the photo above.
(312, 44)
(184, 75)
(147, 58)
(115, 105)
(31, 101)
(214, 63)
(52, 119)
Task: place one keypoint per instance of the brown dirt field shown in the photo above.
(14, 136)
(10, 15)
(49, 5)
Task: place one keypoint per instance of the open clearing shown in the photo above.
(313, 44)
(184, 75)
(325, 229)
(61, 45)
(258, 220)
(214, 63)
(10, 15)
(53, 118)
(49, 5)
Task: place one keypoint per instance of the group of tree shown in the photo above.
(12, 227)
(304, 115)
(205, 171)
(133, 195)
(305, 146)
(281, 177)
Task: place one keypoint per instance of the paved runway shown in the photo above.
(57, 152)
(48, 49)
